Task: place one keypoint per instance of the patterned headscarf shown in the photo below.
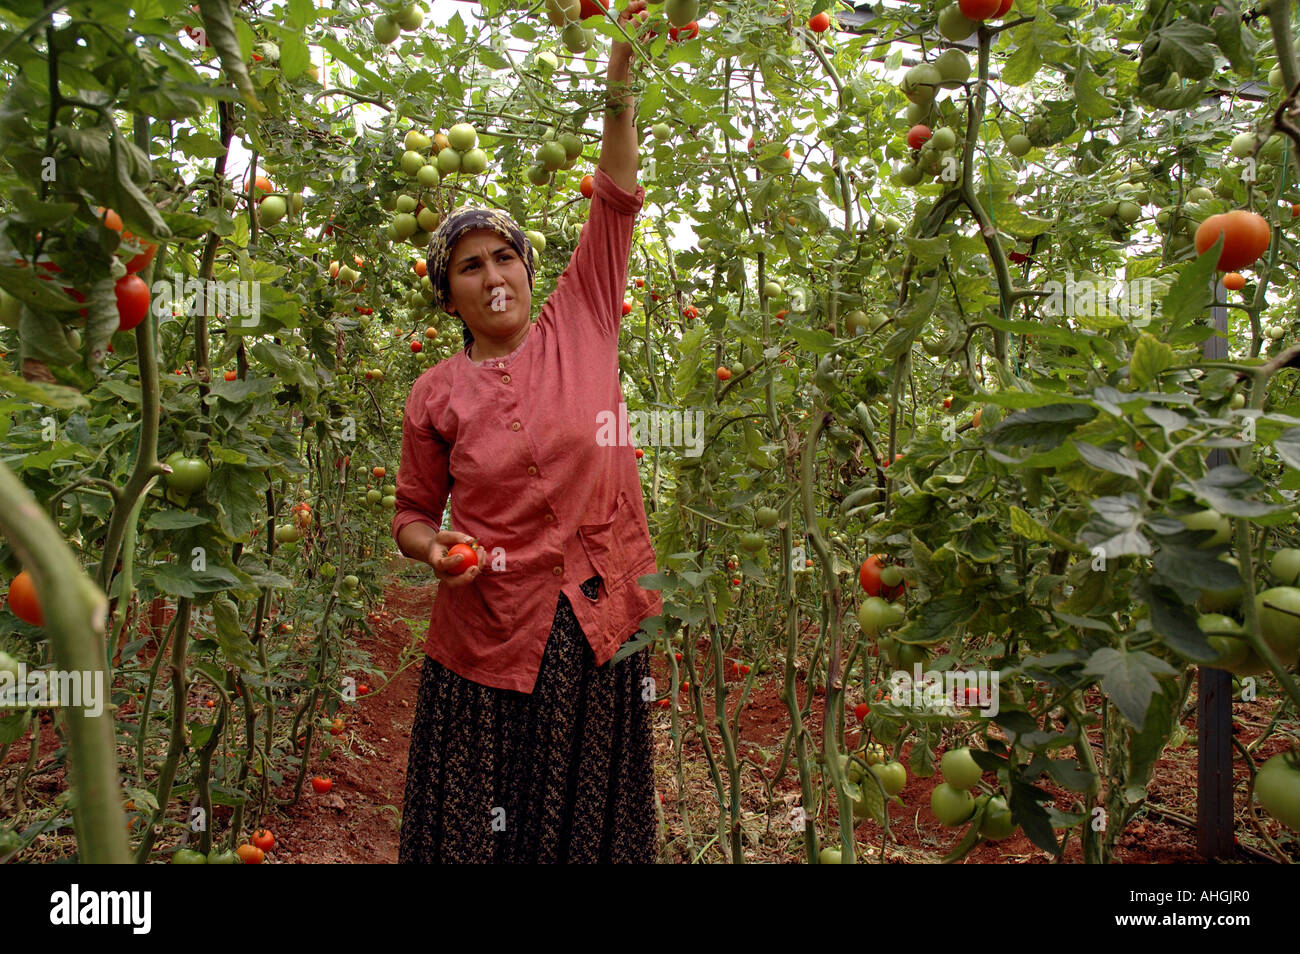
(453, 228)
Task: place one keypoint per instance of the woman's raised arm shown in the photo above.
(618, 150)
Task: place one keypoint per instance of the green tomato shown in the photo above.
(327, 571)
(960, 769)
(188, 475)
(373, 496)
(752, 542)
(909, 654)
(951, 806)
(997, 823)
(1277, 789)
(1279, 621)
(188, 856)
(287, 533)
(1209, 520)
(350, 582)
(943, 138)
(892, 775)
(1285, 566)
(1018, 144)
(766, 517)
(829, 856)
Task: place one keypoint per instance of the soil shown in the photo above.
(358, 820)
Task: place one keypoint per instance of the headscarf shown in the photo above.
(451, 230)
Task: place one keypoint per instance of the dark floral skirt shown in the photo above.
(564, 774)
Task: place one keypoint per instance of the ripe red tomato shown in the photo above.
(979, 9)
(379, 471)
(141, 259)
(591, 8)
(1234, 281)
(917, 135)
(262, 183)
(363, 690)
(416, 347)
(23, 601)
(321, 785)
(627, 307)
(588, 185)
(470, 558)
(860, 711)
(688, 32)
(263, 839)
(724, 374)
(872, 585)
(639, 453)
(1246, 236)
(132, 301)
(250, 854)
(232, 375)
(1017, 258)
(337, 726)
(640, 283)
(820, 23)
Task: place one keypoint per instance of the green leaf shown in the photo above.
(1023, 525)
(219, 26)
(294, 55)
(937, 619)
(1184, 47)
(1106, 460)
(1174, 622)
(1041, 427)
(1150, 358)
(235, 644)
(1287, 445)
(40, 393)
(1227, 487)
(1128, 679)
(1087, 93)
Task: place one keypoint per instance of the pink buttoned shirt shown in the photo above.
(533, 449)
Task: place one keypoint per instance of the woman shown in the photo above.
(528, 745)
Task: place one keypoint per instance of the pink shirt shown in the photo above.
(554, 497)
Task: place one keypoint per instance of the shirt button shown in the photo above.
(532, 471)
(515, 426)
(505, 379)
(550, 518)
(558, 570)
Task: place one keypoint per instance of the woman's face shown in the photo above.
(488, 285)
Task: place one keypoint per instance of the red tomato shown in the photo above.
(820, 23)
(141, 259)
(23, 601)
(588, 185)
(639, 453)
(627, 307)
(416, 347)
(250, 854)
(724, 374)
(379, 471)
(363, 690)
(132, 301)
(1246, 237)
(688, 32)
(232, 375)
(321, 785)
(263, 839)
(860, 711)
(1004, 8)
(470, 557)
(1234, 281)
(979, 9)
(917, 135)
(869, 577)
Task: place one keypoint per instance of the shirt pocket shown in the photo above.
(486, 600)
(605, 547)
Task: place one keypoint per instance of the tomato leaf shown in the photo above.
(1226, 488)
(1173, 621)
(40, 393)
(219, 28)
(1128, 679)
(235, 644)
(937, 619)
(1041, 427)
(1102, 459)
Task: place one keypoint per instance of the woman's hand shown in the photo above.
(443, 565)
(631, 19)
